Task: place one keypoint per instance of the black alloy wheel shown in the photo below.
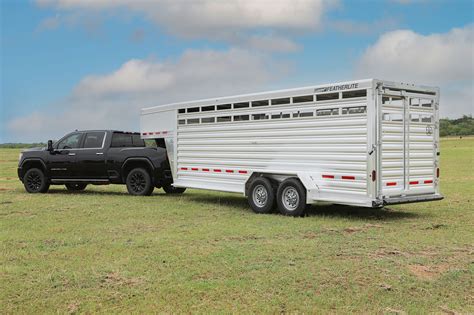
(139, 182)
(35, 181)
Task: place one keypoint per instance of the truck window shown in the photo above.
(94, 140)
(124, 140)
(71, 142)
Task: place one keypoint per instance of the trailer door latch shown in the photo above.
(374, 147)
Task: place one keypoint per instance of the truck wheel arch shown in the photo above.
(33, 163)
(132, 163)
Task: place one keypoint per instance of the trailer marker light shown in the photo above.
(205, 170)
(429, 181)
(217, 170)
(328, 176)
(391, 184)
(242, 172)
(194, 169)
(165, 132)
(374, 175)
(437, 172)
(348, 177)
(184, 168)
(415, 182)
(229, 171)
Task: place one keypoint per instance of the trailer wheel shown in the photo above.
(35, 181)
(261, 195)
(291, 197)
(170, 189)
(75, 187)
(139, 182)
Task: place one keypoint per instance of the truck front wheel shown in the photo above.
(139, 182)
(35, 181)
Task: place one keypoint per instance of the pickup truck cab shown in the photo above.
(97, 157)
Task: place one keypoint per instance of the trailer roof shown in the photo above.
(353, 85)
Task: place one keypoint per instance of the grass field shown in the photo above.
(105, 251)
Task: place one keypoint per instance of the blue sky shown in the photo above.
(74, 64)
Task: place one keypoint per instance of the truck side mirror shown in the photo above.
(50, 145)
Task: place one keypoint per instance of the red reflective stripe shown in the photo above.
(144, 133)
(164, 132)
(328, 176)
(429, 181)
(217, 170)
(205, 170)
(194, 169)
(348, 177)
(415, 182)
(157, 133)
(229, 171)
(391, 184)
(184, 168)
(242, 172)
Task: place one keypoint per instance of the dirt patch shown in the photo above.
(73, 307)
(115, 279)
(428, 272)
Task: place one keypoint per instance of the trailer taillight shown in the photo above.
(437, 172)
(374, 175)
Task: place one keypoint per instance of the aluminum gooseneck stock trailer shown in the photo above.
(365, 143)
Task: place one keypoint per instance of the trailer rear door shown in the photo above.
(409, 136)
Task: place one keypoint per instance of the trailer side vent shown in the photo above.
(193, 121)
(241, 105)
(224, 106)
(357, 93)
(208, 108)
(327, 112)
(426, 118)
(328, 96)
(193, 110)
(259, 116)
(260, 103)
(354, 110)
(182, 122)
(415, 118)
(224, 119)
(241, 117)
(306, 114)
(426, 103)
(414, 102)
(207, 120)
(182, 110)
(281, 101)
(281, 115)
(303, 99)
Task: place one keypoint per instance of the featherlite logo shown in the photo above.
(337, 87)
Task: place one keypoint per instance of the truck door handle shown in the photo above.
(100, 153)
(72, 154)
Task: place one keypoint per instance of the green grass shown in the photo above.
(105, 251)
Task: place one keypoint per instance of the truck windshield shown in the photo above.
(126, 140)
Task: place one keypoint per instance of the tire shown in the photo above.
(291, 198)
(35, 181)
(139, 182)
(170, 189)
(261, 195)
(75, 187)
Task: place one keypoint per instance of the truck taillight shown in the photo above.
(437, 172)
(374, 175)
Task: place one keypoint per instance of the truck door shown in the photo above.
(409, 143)
(91, 158)
(62, 160)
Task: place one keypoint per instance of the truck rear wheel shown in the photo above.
(75, 187)
(170, 189)
(35, 181)
(291, 197)
(261, 195)
(139, 182)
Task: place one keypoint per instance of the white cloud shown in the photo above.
(444, 60)
(114, 100)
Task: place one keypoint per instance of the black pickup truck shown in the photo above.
(97, 157)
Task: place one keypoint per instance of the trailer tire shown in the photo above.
(75, 187)
(291, 198)
(35, 181)
(261, 195)
(170, 189)
(139, 182)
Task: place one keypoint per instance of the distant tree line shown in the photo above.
(463, 126)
